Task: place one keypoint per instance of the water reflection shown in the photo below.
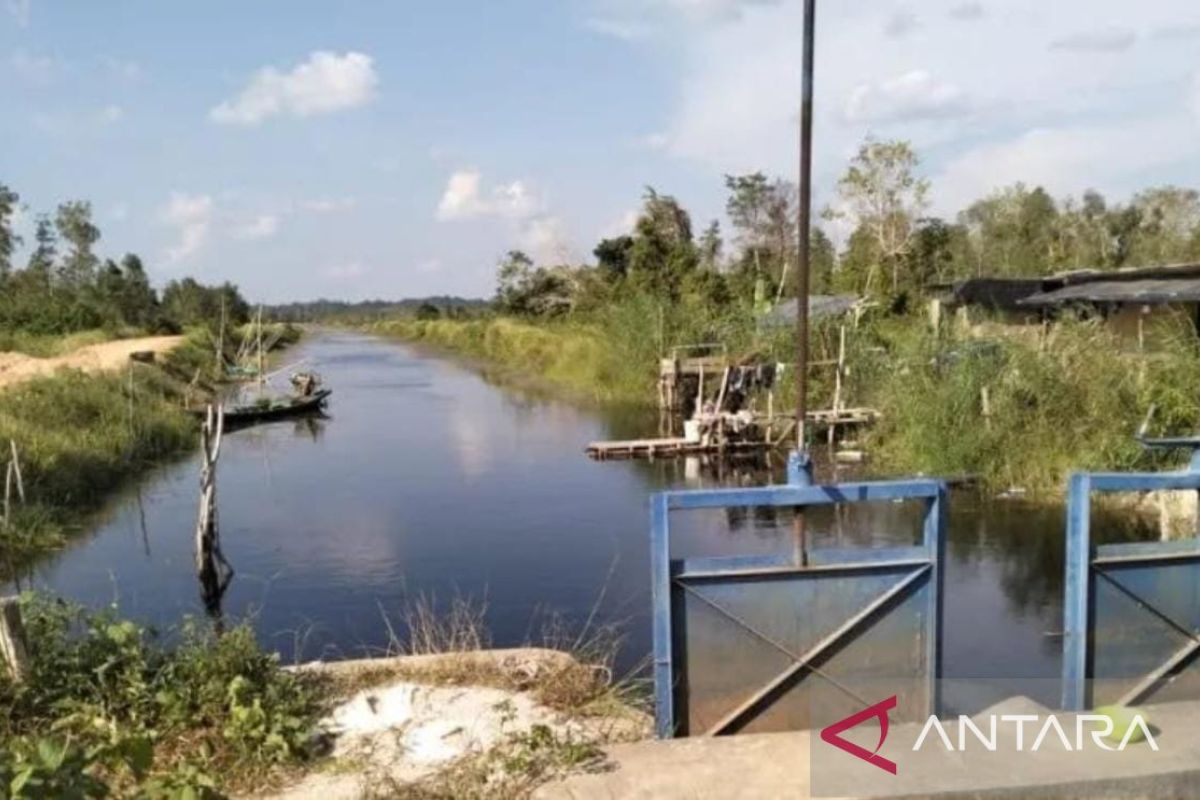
(431, 478)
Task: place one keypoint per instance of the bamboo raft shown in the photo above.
(677, 446)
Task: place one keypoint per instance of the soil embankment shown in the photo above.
(17, 368)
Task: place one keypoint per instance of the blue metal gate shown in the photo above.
(767, 643)
(1132, 610)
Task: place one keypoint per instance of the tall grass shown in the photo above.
(49, 345)
(610, 355)
(78, 438)
(1070, 398)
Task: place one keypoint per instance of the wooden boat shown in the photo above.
(271, 410)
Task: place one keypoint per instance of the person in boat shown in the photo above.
(305, 383)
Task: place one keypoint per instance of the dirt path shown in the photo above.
(16, 368)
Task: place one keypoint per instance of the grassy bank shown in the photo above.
(1025, 408)
(575, 358)
(81, 436)
(1016, 406)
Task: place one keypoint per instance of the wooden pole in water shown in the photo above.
(212, 569)
(16, 468)
(804, 221)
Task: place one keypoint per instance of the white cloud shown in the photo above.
(19, 9)
(119, 211)
(947, 86)
(912, 96)
(625, 30)
(968, 12)
(714, 10)
(902, 23)
(465, 198)
(1196, 96)
(111, 114)
(654, 141)
(429, 265)
(329, 205)
(325, 83)
(541, 234)
(1064, 160)
(191, 216)
(621, 226)
(263, 226)
(123, 68)
(1108, 40)
(545, 239)
(1178, 32)
(34, 68)
(348, 270)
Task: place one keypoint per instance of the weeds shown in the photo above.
(107, 707)
(511, 770)
(1071, 399)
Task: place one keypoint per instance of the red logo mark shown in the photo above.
(832, 734)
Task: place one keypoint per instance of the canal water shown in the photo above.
(429, 479)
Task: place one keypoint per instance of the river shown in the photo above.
(430, 480)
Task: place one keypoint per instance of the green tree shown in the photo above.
(75, 227)
(612, 256)
(822, 263)
(1169, 221)
(747, 209)
(663, 252)
(41, 260)
(1015, 231)
(8, 238)
(512, 278)
(883, 197)
(710, 246)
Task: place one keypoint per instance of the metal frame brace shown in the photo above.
(917, 566)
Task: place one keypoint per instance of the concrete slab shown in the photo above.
(800, 765)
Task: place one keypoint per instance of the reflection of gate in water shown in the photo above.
(761, 643)
(1132, 613)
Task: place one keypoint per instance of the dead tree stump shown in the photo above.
(212, 569)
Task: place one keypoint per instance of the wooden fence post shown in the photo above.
(13, 646)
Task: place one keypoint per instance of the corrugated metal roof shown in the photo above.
(1150, 292)
(819, 305)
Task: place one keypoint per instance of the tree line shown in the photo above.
(65, 286)
(894, 251)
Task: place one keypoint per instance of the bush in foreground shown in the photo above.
(109, 708)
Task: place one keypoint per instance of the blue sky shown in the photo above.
(354, 150)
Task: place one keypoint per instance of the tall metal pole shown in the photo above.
(804, 224)
(804, 214)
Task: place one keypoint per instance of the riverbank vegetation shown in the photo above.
(79, 436)
(109, 709)
(1015, 404)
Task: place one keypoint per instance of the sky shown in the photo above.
(397, 149)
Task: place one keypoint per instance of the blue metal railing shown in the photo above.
(800, 610)
(1131, 616)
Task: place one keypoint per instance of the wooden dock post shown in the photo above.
(839, 369)
(14, 648)
(212, 569)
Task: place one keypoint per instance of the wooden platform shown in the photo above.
(653, 448)
(668, 447)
